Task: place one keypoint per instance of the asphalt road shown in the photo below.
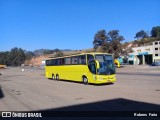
(136, 88)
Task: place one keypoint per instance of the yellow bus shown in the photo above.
(116, 62)
(96, 68)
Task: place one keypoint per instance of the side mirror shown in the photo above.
(97, 63)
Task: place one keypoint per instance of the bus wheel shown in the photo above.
(57, 77)
(85, 80)
(53, 77)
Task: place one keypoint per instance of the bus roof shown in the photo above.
(93, 53)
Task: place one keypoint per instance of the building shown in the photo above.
(145, 54)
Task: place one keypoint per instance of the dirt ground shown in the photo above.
(136, 88)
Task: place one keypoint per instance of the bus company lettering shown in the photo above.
(15, 114)
(34, 115)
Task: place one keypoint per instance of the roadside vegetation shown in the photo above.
(17, 56)
(112, 41)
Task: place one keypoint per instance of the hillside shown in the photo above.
(37, 60)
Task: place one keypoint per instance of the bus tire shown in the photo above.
(57, 77)
(53, 77)
(85, 80)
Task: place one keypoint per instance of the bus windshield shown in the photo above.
(106, 64)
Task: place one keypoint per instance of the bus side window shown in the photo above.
(57, 62)
(67, 61)
(47, 63)
(75, 60)
(82, 59)
(92, 67)
(62, 61)
(51, 63)
(90, 58)
(54, 62)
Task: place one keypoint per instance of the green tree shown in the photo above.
(113, 44)
(99, 38)
(114, 35)
(4, 58)
(109, 42)
(47, 52)
(56, 50)
(17, 56)
(155, 32)
(29, 55)
(141, 34)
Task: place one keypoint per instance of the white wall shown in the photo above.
(142, 49)
(146, 50)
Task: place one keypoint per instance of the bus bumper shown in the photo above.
(105, 79)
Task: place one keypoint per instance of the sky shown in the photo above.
(71, 24)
